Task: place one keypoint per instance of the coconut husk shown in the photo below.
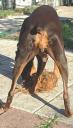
(46, 82)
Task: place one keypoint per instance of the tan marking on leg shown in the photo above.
(56, 71)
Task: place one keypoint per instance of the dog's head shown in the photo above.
(40, 37)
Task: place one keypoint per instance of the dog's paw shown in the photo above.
(1, 111)
(68, 113)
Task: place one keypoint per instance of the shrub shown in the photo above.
(49, 123)
(29, 9)
(68, 34)
(5, 13)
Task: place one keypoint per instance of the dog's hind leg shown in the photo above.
(56, 51)
(56, 71)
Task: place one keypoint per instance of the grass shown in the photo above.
(9, 35)
(49, 123)
(67, 27)
(9, 12)
(29, 9)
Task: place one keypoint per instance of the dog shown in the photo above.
(41, 35)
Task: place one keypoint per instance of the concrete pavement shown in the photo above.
(65, 11)
(44, 104)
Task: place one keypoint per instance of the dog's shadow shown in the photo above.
(6, 69)
(6, 66)
(59, 111)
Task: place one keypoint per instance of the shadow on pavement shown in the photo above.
(61, 111)
(6, 66)
(10, 23)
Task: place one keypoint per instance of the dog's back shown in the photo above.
(44, 17)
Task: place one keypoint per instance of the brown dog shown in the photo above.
(40, 36)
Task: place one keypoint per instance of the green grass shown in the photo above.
(29, 9)
(10, 34)
(67, 27)
(9, 12)
(49, 123)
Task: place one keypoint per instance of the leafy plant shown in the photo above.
(29, 9)
(5, 13)
(49, 123)
(67, 27)
(68, 30)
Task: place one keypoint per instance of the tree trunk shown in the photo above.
(14, 4)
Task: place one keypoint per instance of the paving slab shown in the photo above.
(44, 104)
(56, 107)
(15, 118)
(65, 11)
(63, 125)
